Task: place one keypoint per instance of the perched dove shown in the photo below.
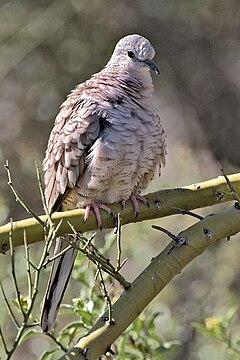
(106, 144)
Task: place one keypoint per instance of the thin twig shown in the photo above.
(14, 273)
(119, 247)
(43, 198)
(19, 197)
(57, 342)
(106, 295)
(50, 234)
(89, 241)
(233, 191)
(29, 276)
(32, 264)
(40, 186)
(32, 325)
(49, 260)
(177, 239)
(123, 263)
(3, 341)
(187, 212)
(97, 258)
(10, 311)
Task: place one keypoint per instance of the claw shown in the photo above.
(123, 203)
(135, 201)
(95, 208)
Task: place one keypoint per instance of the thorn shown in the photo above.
(187, 212)
(4, 247)
(208, 233)
(237, 205)
(115, 223)
(179, 241)
(110, 351)
(85, 353)
(157, 203)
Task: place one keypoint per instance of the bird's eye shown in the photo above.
(131, 54)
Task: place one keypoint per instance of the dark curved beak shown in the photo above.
(152, 66)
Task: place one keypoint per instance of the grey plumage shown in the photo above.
(107, 141)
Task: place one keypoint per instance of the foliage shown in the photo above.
(220, 329)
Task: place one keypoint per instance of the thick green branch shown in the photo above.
(153, 279)
(162, 203)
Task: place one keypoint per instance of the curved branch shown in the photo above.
(153, 279)
(162, 203)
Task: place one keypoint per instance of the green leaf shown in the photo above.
(86, 316)
(73, 325)
(151, 324)
(214, 332)
(168, 345)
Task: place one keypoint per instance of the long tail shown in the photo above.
(57, 284)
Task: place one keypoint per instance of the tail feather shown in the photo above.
(57, 284)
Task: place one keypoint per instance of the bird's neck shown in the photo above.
(134, 81)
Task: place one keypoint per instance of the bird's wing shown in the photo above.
(76, 128)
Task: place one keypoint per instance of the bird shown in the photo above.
(106, 144)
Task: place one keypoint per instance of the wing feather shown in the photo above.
(76, 128)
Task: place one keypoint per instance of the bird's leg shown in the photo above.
(135, 199)
(95, 208)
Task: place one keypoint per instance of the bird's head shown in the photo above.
(134, 52)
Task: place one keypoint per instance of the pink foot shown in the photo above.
(95, 208)
(135, 199)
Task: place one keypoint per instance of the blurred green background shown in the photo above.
(48, 47)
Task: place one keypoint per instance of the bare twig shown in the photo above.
(40, 186)
(50, 231)
(3, 341)
(96, 257)
(177, 239)
(10, 311)
(29, 276)
(19, 197)
(106, 295)
(49, 260)
(56, 342)
(17, 291)
(187, 212)
(119, 248)
(89, 241)
(231, 188)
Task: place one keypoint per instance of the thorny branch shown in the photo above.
(28, 264)
(231, 187)
(19, 197)
(119, 247)
(15, 283)
(106, 295)
(86, 247)
(10, 311)
(26, 310)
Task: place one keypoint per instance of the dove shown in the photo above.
(105, 147)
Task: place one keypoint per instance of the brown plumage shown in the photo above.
(107, 141)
